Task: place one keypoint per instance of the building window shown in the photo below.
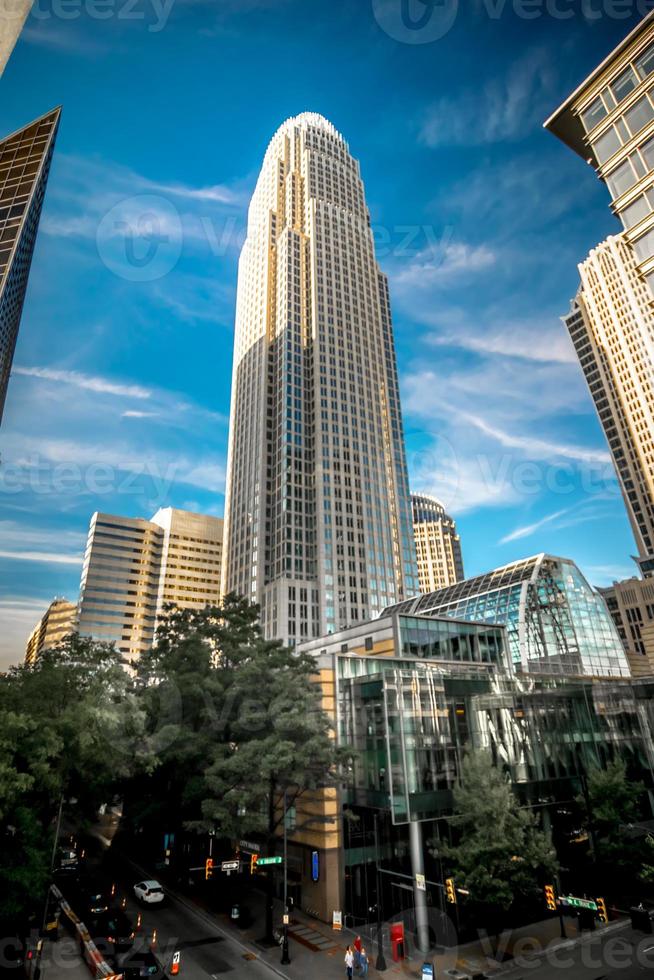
(639, 115)
(645, 64)
(607, 144)
(593, 114)
(624, 84)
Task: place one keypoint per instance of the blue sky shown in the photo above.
(120, 393)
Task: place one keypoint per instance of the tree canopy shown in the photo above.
(500, 854)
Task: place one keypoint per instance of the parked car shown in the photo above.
(150, 892)
(139, 964)
(112, 931)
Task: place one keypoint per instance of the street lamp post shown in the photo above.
(285, 957)
(381, 962)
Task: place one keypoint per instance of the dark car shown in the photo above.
(139, 964)
(112, 931)
(87, 897)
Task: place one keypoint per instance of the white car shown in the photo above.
(149, 892)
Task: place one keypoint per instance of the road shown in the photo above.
(611, 955)
(208, 950)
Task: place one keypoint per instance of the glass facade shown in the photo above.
(556, 623)
(24, 166)
(410, 723)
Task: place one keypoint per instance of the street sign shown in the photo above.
(269, 860)
(578, 903)
(421, 884)
(427, 971)
(337, 920)
(230, 865)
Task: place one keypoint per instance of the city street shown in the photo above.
(607, 955)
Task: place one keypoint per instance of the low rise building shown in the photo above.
(59, 619)
(543, 685)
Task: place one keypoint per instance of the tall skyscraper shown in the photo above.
(611, 326)
(55, 624)
(24, 167)
(134, 567)
(13, 14)
(609, 121)
(318, 516)
(438, 546)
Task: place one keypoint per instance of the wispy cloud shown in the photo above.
(539, 448)
(530, 339)
(504, 109)
(44, 557)
(88, 382)
(448, 262)
(528, 529)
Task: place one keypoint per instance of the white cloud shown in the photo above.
(504, 109)
(446, 262)
(539, 448)
(45, 557)
(532, 340)
(528, 529)
(85, 381)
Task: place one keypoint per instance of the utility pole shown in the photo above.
(381, 962)
(285, 957)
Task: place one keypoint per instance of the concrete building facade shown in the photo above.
(438, 546)
(317, 513)
(134, 567)
(59, 619)
(609, 122)
(631, 604)
(13, 14)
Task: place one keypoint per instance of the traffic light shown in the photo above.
(450, 891)
(550, 899)
(208, 869)
(254, 860)
(602, 914)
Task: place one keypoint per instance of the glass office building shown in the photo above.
(556, 623)
(25, 158)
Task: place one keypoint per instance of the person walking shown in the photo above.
(349, 962)
(357, 951)
(364, 962)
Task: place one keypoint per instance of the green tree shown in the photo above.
(611, 801)
(72, 727)
(500, 855)
(236, 722)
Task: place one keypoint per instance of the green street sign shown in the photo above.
(578, 903)
(262, 862)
